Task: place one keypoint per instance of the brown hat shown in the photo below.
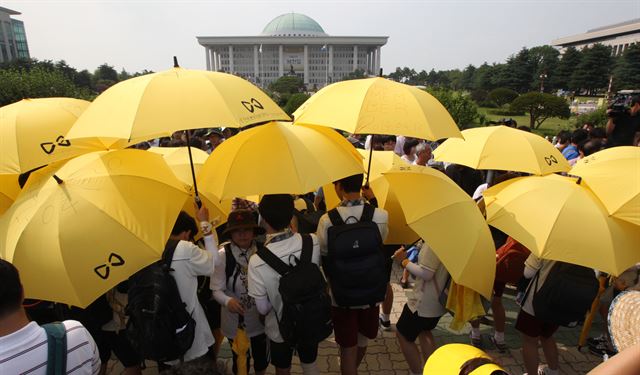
(624, 320)
(242, 219)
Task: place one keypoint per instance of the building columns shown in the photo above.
(280, 61)
(306, 64)
(377, 70)
(330, 78)
(355, 58)
(207, 54)
(256, 65)
(231, 59)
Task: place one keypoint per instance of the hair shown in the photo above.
(524, 128)
(564, 136)
(276, 210)
(635, 99)
(177, 143)
(408, 145)
(598, 132)
(421, 147)
(389, 138)
(351, 184)
(10, 289)
(184, 223)
(196, 142)
(590, 147)
(579, 135)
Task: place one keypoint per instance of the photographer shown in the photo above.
(623, 124)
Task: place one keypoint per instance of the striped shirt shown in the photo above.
(25, 351)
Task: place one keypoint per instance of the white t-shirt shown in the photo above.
(25, 351)
(264, 280)
(189, 262)
(425, 296)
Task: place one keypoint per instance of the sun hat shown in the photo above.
(624, 320)
(242, 219)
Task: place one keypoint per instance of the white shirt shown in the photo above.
(479, 192)
(223, 291)
(534, 264)
(264, 280)
(189, 262)
(25, 351)
(425, 296)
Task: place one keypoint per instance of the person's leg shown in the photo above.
(259, 354)
(125, 353)
(550, 350)
(349, 360)
(387, 304)
(427, 344)
(474, 335)
(308, 355)
(411, 353)
(363, 342)
(281, 354)
(407, 330)
(530, 353)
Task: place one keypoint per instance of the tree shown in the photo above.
(356, 74)
(485, 77)
(467, 79)
(517, 73)
(461, 108)
(105, 72)
(123, 75)
(545, 61)
(295, 101)
(566, 66)
(502, 96)
(37, 82)
(540, 107)
(592, 73)
(287, 85)
(627, 72)
(83, 79)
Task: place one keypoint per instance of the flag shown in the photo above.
(324, 48)
(260, 49)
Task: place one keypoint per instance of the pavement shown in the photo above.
(385, 358)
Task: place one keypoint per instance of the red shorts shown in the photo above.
(534, 327)
(347, 323)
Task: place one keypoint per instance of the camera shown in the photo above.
(621, 102)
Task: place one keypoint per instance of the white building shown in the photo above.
(293, 44)
(619, 36)
(13, 39)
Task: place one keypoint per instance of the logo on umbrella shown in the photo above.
(103, 271)
(252, 105)
(551, 160)
(49, 147)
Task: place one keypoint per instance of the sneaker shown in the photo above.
(500, 346)
(476, 342)
(594, 341)
(601, 349)
(384, 324)
(545, 370)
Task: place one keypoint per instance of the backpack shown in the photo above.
(355, 262)
(308, 218)
(159, 328)
(566, 295)
(56, 348)
(306, 311)
(510, 259)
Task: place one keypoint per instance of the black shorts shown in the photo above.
(212, 312)
(258, 353)
(534, 327)
(410, 324)
(389, 250)
(118, 343)
(281, 354)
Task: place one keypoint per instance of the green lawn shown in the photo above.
(550, 126)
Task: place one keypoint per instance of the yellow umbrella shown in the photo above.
(450, 358)
(9, 190)
(158, 104)
(378, 106)
(278, 158)
(449, 221)
(240, 346)
(383, 161)
(79, 229)
(32, 133)
(614, 177)
(559, 219)
(503, 148)
(178, 160)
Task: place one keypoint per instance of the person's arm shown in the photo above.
(219, 280)
(610, 126)
(623, 363)
(531, 266)
(263, 305)
(416, 270)
(257, 288)
(321, 234)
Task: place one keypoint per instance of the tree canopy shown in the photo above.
(540, 107)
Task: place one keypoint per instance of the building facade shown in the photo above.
(297, 45)
(13, 39)
(618, 36)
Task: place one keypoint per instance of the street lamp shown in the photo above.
(543, 76)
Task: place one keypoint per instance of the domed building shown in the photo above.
(293, 43)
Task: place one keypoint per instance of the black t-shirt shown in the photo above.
(625, 130)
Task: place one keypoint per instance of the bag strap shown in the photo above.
(307, 248)
(367, 213)
(272, 260)
(57, 348)
(335, 217)
(169, 250)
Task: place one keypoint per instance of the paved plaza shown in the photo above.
(384, 356)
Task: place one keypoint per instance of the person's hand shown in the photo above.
(235, 306)
(367, 193)
(202, 213)
(400, 254)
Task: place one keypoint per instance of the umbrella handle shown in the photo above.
(193, 172)
(366, 184)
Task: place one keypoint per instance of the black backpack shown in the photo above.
(306, 312)
(160, 328)
(355, 262)
(566, 295)
(308, 218)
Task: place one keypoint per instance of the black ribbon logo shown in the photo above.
(49, 147)
(103, 271)
(252, 105)
(551, 160)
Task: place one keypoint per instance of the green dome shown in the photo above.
(293, 24)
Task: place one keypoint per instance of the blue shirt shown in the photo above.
(570, 152)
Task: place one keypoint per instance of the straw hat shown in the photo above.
(624, 320)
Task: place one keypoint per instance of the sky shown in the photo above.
(423, 34)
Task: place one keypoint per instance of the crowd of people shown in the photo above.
(261, 278)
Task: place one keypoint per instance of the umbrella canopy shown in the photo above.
(158, 104)
(449, 221)
(32, 133)
(503, 148)
(278, 158)
(383, 161)
(559, 219)
(378, 106)
(614, 177)
(178, 160)
(240, 346)
(79, 229)
(9, 190)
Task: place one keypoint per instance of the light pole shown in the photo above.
(542, 78)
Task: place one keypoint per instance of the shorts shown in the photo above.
(534, 327)
(498, 288)
(119, 344)
(281, 353)
(389, 250)
(258, 353)
(212, 312)
(410, 324)
(348, 323)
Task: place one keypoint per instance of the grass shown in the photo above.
(550, 126)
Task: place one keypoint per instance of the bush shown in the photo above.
(598, 118)
(461, 108)
(479, 95)
(295, 101)
(505, 112)
(502, 96)
(488, 104)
